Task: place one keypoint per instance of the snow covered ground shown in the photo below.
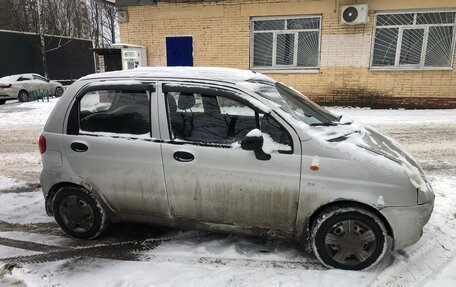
(36, 253)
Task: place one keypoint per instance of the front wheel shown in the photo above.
(78, 212)
(349, 238)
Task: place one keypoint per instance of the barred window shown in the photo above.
(414, 40)
(285, 43)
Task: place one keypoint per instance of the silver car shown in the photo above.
(22, 87)
(229, 151)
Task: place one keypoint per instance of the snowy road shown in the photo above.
(35, 252)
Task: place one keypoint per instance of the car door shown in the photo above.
(209, 178)
(43, 85)
(110, 145)
(27, 83)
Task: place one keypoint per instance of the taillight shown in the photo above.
(42, 144)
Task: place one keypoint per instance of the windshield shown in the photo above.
(294, 103)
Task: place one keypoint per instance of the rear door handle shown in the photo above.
(79, 147)
(183, 156)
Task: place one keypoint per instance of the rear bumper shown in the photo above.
(47, 180)
(408, 222)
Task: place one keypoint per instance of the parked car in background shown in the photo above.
(21, 86)
(232, 151)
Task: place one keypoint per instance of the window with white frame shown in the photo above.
(284, 43)
(414, 40)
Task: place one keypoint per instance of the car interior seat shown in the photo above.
(186, 102)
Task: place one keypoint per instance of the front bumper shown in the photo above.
(407, 222)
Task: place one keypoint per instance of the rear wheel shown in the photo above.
(2, 102)
(23, 96)
(349, 238)
(78, 212)
(58, 92)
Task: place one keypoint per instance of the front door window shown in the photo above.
(216, 119)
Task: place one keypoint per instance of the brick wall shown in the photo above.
(221, 37)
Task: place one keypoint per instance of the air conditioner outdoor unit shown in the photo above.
(354, 14)
(122, 16)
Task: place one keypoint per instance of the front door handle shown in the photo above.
(183, 156)
(79, 147)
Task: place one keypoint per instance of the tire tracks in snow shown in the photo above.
(124, 250)
(40, 228)
(416, 267)
(132, 251)
(238, 262)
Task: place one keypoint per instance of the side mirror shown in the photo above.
(254, 141)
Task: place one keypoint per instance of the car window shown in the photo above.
(274, 129)
(205, 122)
(231, 107)
(24, 78)
(197, 107)
(206, 118)
(36, 77)
(115, 111)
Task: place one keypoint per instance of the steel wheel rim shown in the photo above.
(350, 242)
(58, 92)
(76, 214)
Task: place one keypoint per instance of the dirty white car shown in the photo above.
(21, 87)
(232, 151)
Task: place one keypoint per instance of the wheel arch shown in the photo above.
(348, 203)
(53, 190)
(58, 88)
(99, 220)
(22, 90)
(56, 187)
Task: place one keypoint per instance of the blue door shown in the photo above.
(179, 51)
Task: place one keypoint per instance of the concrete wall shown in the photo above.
(221, 37)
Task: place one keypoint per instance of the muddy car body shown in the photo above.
(232, 151)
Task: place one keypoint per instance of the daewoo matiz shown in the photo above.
(231, 151)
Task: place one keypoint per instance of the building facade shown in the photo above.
(402, 57)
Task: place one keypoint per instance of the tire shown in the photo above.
(58, 92)
(78, 212)
(2, 102)
(361, 247)
(23, 96)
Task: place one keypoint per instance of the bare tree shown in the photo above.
(88, 19)
(102, 22)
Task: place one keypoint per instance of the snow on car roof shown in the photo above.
(14, 77)
(207, 73)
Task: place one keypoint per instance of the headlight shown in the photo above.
(425, 196)
(418, 180)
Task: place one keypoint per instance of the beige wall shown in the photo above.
(221, 35)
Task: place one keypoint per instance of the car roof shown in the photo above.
(201, 73)
(25, 74)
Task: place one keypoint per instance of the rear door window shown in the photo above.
(39, 78)
(24, 78)
(115, 112)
